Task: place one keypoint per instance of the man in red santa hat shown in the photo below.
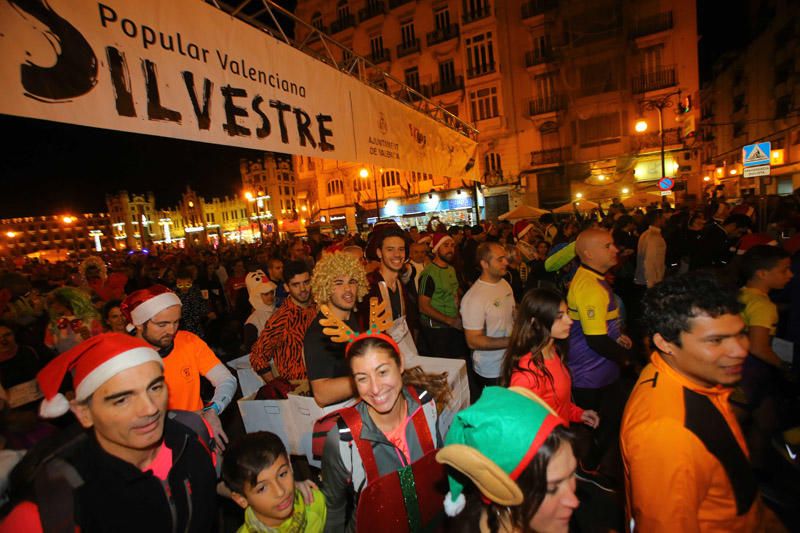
(156, 314)
(131, 466)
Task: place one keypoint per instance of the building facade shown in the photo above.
(554, 88)
(56, 234)
(271, 191)
(754, 96)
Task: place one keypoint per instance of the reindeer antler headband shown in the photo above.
(379, 321)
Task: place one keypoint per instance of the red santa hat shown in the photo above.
(92, 362)
(754, 239)
(142, 305)
(439, 239)
(521, 228)
(424, 238)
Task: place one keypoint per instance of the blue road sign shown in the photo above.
(756, 154)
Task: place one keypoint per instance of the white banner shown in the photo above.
(184, 69)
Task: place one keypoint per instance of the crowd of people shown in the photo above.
(627, 370)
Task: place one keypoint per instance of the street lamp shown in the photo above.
(364, 173)
(660, 104)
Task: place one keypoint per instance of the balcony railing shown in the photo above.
(538, 56)
(342, 23)
(652, 24)
(397, 3)
(447, 86)
(657, 79)
(404, 49)
(477, 14)
(548, 104)
(532, 8)
(379, 56)
(373, 9)
(553, 156)
(480, 70)
(652, 139)
(442, 34)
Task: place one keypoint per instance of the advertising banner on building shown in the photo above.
(186, 70)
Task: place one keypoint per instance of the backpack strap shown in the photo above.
(198, 425)
(420, 421)
(353, 420)
(321, 429)
(55, 487)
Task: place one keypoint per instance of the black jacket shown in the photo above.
(113, 495)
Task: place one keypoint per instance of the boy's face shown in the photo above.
(272, 496)
(778, 276)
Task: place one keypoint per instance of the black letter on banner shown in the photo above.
(324, 132)
(232, 111)
(75, 71)
(121, 80)
(281, 107)
(204, 116)
(303, 122)
(155, 111)
(265, 128)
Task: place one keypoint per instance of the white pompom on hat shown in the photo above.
(142, 305)
(92, 363)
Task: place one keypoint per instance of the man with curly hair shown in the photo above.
(338, 282)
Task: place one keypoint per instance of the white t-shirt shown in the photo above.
(488, 307)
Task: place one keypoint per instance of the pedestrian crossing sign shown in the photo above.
(756, 154)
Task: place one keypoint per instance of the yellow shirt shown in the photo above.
(758, 309)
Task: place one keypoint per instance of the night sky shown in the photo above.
(50, 168)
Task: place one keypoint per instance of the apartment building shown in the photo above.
(554, 88)
(53, 236)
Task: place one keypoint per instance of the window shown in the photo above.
(452, 109)
(447, 73)
(316, 20)
(483, 103)
(600, 129)
(597, 78)
(390, 178)
(335, 186)
(491, 163)
(412, 77)
(545, 85)
(480, 54)
(441, 19)
(343, 9)
(376, 46)
(738, 128)
(420, 176)
(407, 32)
(650, 60)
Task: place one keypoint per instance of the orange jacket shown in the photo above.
(687, 466)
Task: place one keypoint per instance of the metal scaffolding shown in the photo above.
(271, 18)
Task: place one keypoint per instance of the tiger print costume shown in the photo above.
(281, 341)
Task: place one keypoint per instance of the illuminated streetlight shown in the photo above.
(11, 234)
(68, 219)
(640, 126)
(364, 173)
(249, 196)
(579, 195)
(706, 178)
(733, 172)
(601, 177)
(626, 191)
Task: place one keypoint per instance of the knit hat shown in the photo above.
(257, 284)
(142, 305)
(92, 362)
(521, 228)
(493, 441)
(439, 239)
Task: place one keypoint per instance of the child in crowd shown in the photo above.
(258, 473)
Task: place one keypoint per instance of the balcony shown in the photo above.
(343, 23)
(652, 24)
(476, 14)
(373, 9)
(408, 48)
(442, 34)
(379, 56)
(655, 80)
(533, 8)
(554, 156)
(652, 140)
(480, 70)
(447, 86)
(539, 56)
(397, 3)
(548, 104)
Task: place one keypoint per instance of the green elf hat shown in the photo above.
(493, 441)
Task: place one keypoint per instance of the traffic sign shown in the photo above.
(760, 170)
(756, 154)
(666, 184)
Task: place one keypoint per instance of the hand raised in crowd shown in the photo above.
(590, 418)
(625, 342)
(216, 426)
